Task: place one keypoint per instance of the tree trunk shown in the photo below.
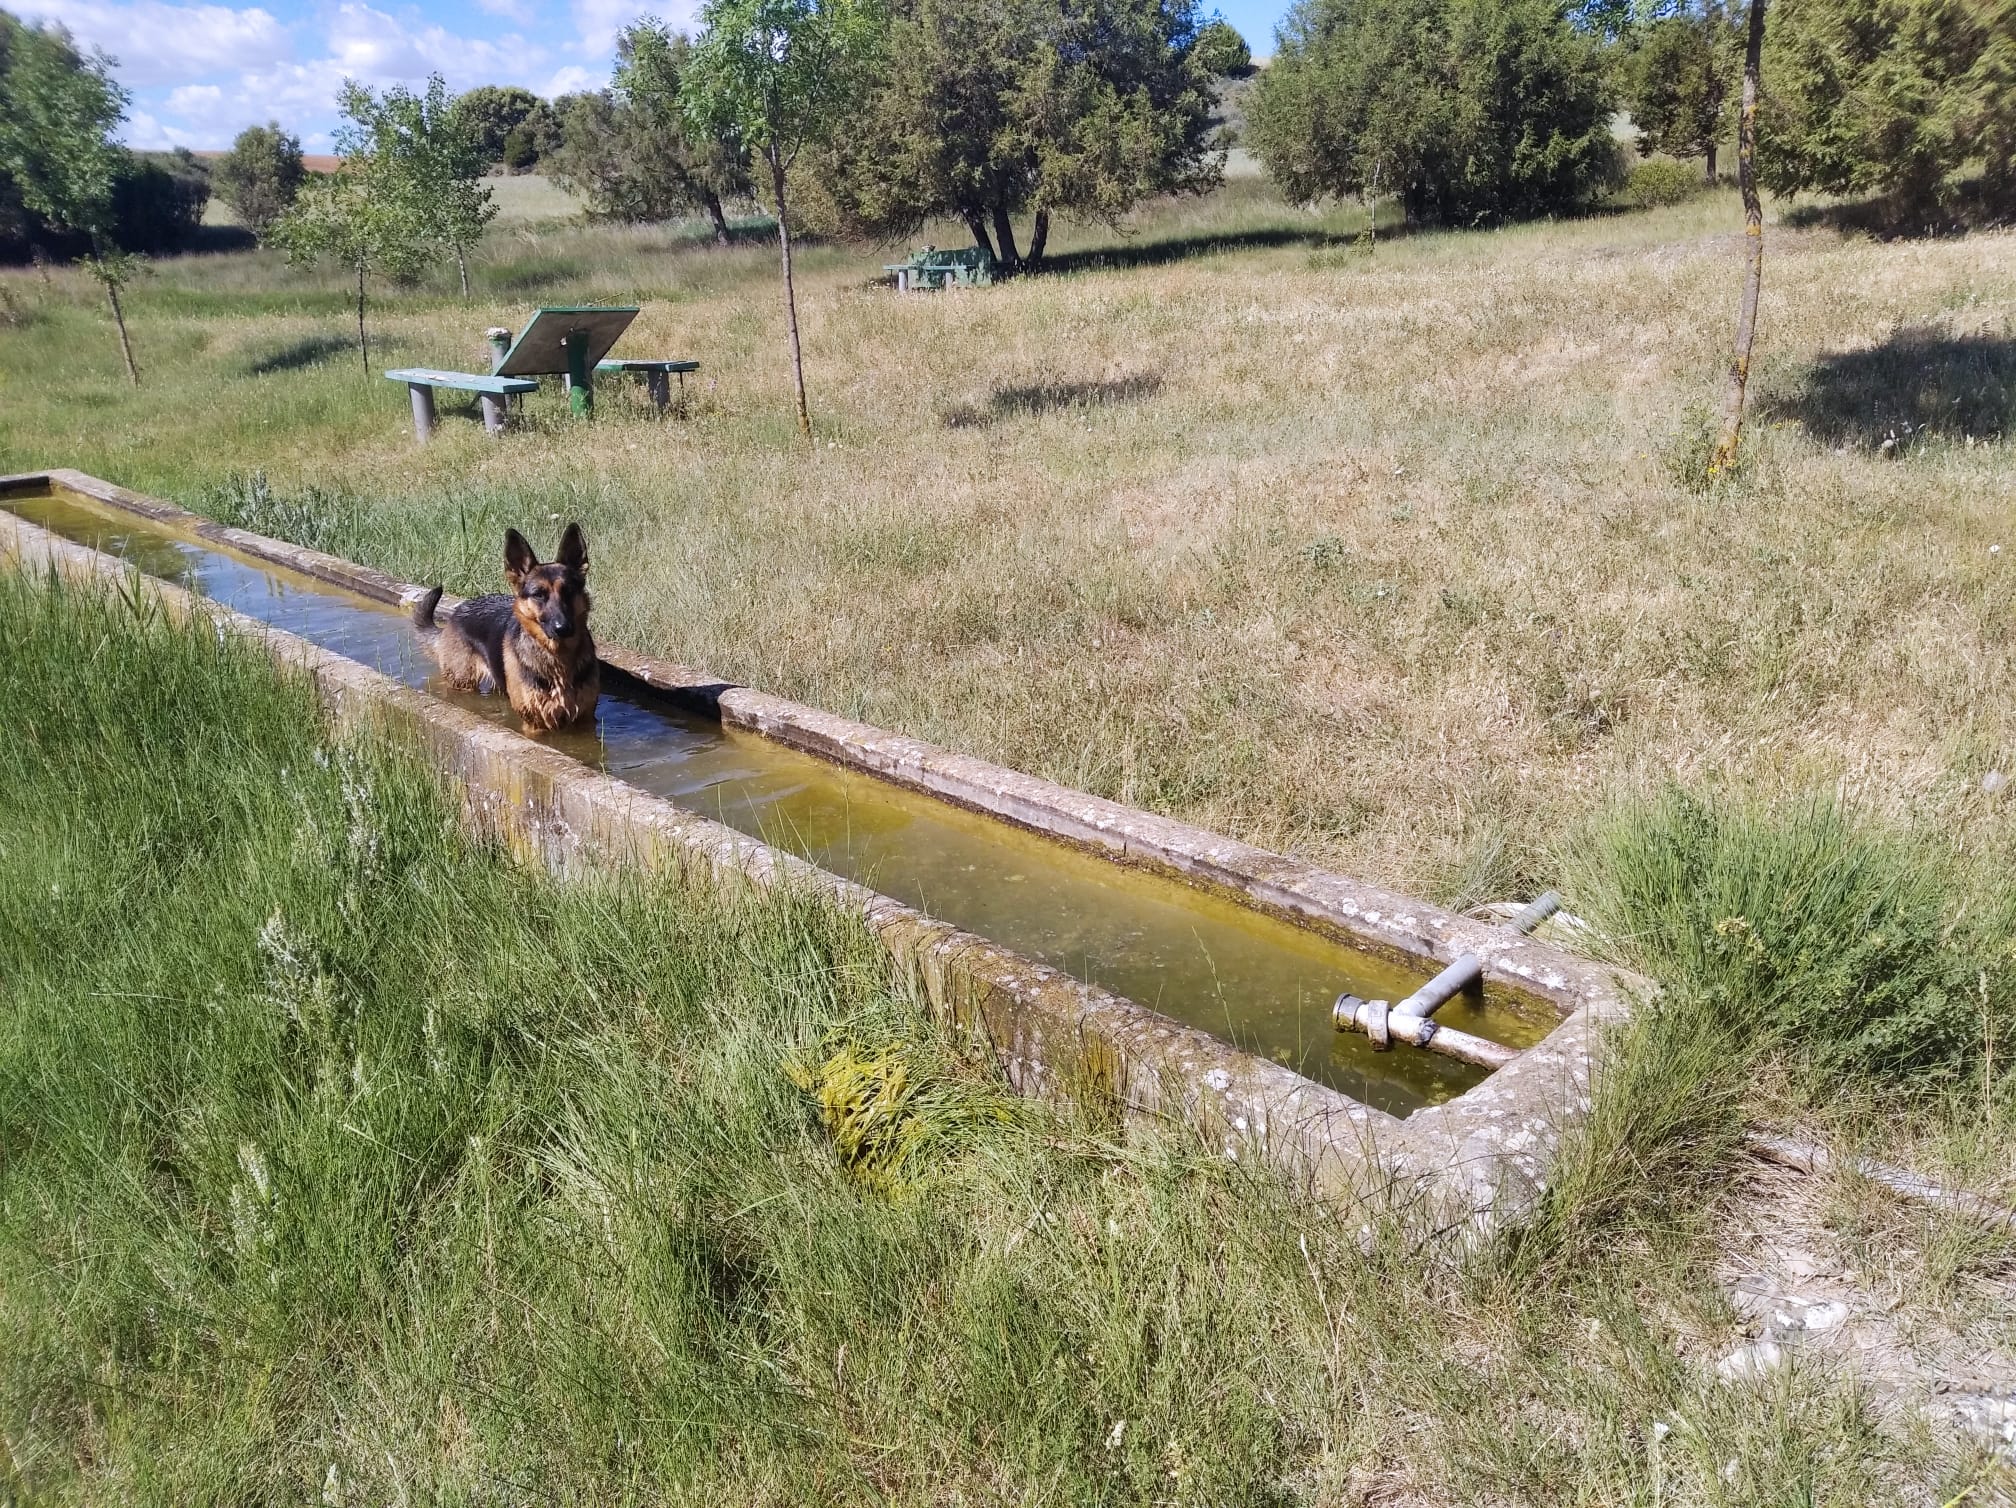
(363, 345)
(1753, 251)
(977, 223)
(462, 266)
(790, 293)
(119, 319)
(1711, 162)
(1039, 237)
(715, 213)
(1004, 240)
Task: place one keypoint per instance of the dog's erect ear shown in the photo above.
(519, 561)
(574, 550)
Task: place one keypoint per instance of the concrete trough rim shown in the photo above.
(1493, 1137)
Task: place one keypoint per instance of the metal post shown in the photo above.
(1537, 911)
(580, 389)
(423, 410)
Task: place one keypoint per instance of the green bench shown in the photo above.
(931, 268)
(493, 392)
(657, 377)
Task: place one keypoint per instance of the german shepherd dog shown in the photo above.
(533, 641)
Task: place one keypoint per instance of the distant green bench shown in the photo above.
(657, 377)
(493, 393)
(931, 268)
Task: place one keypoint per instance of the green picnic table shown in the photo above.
(571, 342)
(972, 267)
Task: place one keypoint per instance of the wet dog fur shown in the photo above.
(532, 642)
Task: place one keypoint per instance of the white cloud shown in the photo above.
(148, 134)
(157, 43)
(573, 79)
(598, 21)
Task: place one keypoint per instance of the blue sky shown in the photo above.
(200, 73)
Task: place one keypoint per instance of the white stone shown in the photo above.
(1828, 1316)
(1750, 1363)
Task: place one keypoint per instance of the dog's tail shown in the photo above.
(423, 610)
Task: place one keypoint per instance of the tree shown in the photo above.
(1220, 51)
(58, 109)
(778, 76)
(990, 109)
(1913, 99)
(489, 114)
(1681, 80)
(260, 176)
(1469, 111)
(1753, 248)
(366, 216)
(420, 151)
(632, 153)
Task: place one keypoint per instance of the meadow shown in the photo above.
(1383, 557)
(1394, 558)
(313, 1189)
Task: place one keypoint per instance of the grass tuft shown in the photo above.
(1800, 926)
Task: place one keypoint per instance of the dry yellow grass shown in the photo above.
(1380, 559)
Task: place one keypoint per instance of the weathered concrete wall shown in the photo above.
(1053, 1034)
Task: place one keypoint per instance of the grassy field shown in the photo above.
(1392, 559)
(1379, 558)
(313, 1188)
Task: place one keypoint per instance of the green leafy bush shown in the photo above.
(1806, 928)
(1662, 181)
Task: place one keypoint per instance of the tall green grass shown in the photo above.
(1859, 952)
(341, 1159)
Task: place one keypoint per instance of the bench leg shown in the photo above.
(423, 411)
(659, 386)
(494, 410)
(682, 395)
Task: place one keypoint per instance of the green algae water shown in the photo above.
(1251, 979)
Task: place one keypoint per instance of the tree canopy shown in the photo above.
(489, 113)
(1682, 78)
(776, 77)
(630, 151)
(1908, 98)
(417, 152)
(261, 175)
(990, 109)
(1470, 111)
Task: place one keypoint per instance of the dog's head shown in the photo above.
(553, 599)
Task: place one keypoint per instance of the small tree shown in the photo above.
(364, 216)
(420, 150)
(1681, 81)
(58, 109)
(778, 76)
(260, 177)
(1753, 248)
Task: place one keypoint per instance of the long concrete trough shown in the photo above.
(1484, 1148)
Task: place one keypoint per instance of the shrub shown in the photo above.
(1468, 111)
(1806, 928)
(260, 177)
(1660, 182)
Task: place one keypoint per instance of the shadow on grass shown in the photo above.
(1919, 383)
(1160, 253)
(1893, 217)
(309, 351)
(1050, 397)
